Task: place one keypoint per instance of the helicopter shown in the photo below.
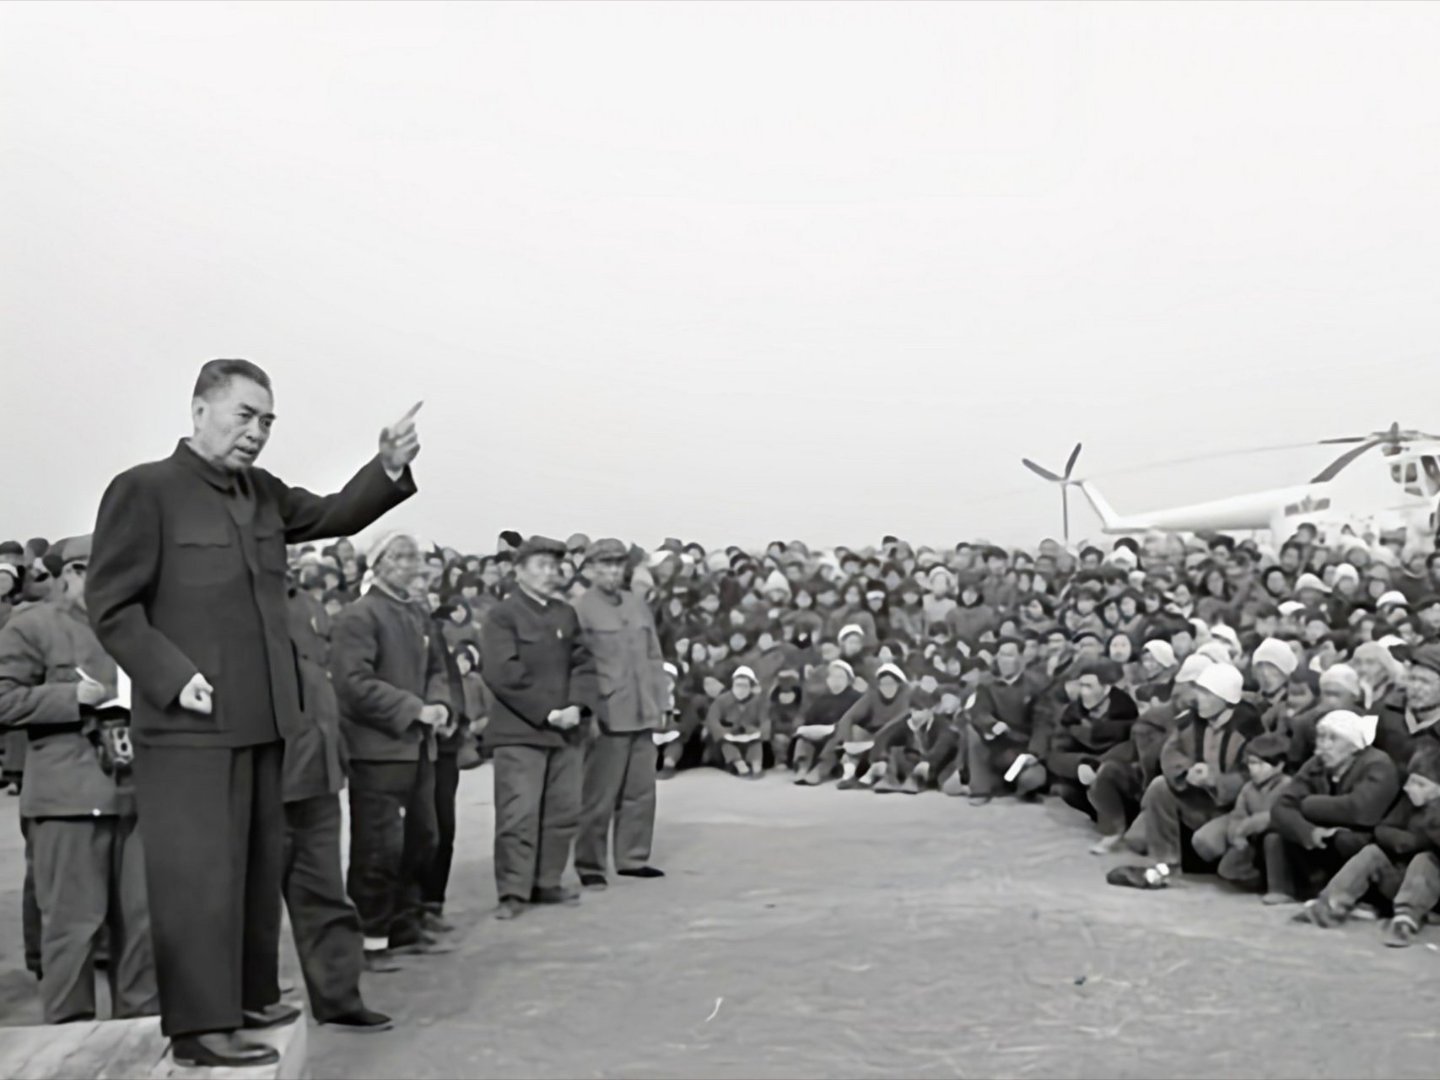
(1361, 493)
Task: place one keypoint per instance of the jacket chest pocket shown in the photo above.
(204, 553)
(270, 546)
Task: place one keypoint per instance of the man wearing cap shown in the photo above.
(1409, 721)
(187, 592)
(619, 784)
(77, 802)
(1202, 764)
(391, 682)
(540, 672)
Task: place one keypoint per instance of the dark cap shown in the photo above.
(11, 547)
(1426, 655)
(1271, 746)
(607, 550)
(577, 542)
(540, 545)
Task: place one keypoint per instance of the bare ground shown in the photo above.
(820, 933)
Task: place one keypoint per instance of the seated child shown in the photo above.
(736, 725)
(1401, 865)
(1233, 840)
(784, 706)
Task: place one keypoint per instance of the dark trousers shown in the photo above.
(619, 790)
(214, 830)
(326, 925)
(537, 813)
(30, 906)
(1115, 796)
(436, 878)
(392, 842)
(90, 875)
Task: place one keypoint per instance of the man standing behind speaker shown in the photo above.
(187, 592)
(620, 760)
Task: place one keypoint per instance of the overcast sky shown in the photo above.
(728, 272)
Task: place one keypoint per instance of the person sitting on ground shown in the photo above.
(854, 736)
(1202, 769)
(1093, 729)
(784, 706)
(1401, 865)
(904, 744)
(736, 725)
(1001, 732)
(1233, 840)
(821, 715)
(1329, 809)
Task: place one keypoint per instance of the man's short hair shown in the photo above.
(216, 375)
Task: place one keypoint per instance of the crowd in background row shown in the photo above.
(1270, 713)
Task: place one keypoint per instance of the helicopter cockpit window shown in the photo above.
(1408, 475)
(1431, 468)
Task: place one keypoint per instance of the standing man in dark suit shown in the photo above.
(542, 677)
(620, 760)
(187, 592)
(325, 923)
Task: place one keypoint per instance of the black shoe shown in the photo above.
(380, 962)
(270, 1016)
(432, 923)
(363, 1020)
(642, 872)
(559, 894)
(221, 1050)
(593, 881)
(422, 946)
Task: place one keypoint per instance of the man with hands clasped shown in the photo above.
(186, 590)
(390, 679)
(542, 676)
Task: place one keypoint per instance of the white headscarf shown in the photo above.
(377, 552)
(1357, 730)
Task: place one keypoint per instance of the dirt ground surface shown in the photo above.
(821, 933)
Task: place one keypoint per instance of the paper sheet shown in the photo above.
(815, 732)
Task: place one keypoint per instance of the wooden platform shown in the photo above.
(129, 1049)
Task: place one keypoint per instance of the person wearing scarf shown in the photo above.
(1330, 808)
(1401, 864)
(388, 668)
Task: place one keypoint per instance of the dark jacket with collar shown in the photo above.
(535, 660)
(1357, 802)
(387, 660)
(314, 755)
(187, 576)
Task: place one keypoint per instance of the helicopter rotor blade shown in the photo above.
(1070, 465)
(1041, 471)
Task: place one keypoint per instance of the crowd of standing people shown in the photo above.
(219, 661)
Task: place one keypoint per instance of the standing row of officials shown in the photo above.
(235, 715)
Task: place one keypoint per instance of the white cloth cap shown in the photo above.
(1161, 652)
(1226, 634)
(1275, 652)
(1342, 676)
(1291, 607)
(1224, 681)
(1310, 581)
(890, 669)
(1357, 730)
(859, 631)
(1345, 570)
(1194, 666)
(1394, 596)
(777, 582)
(743, 672)
(1216, 651)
